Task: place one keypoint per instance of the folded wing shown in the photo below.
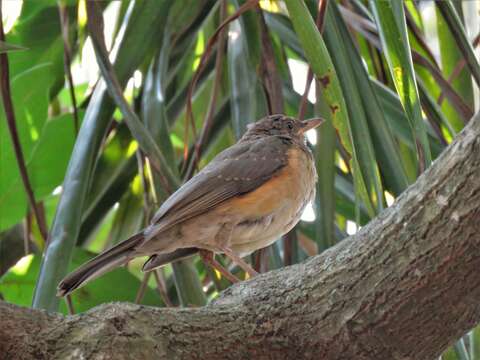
(235, 171)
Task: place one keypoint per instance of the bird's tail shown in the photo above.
(118, 255)
(159, 260)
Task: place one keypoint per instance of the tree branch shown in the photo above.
(405, 286)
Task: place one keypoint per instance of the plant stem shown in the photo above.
(67, 61)
(12, 127)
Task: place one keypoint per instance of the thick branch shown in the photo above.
(406, 286)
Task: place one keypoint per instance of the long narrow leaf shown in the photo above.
(397, 119)
(139, 132)
(458, 31)
(386, 151)
(242, 77)
(322, 66)
(6, 47)
(461, 350)
(12, 127)
(390, 19)
(136, 40)
(114, 171)
(437, 119)
(154, 110)
(156, 120)
(424, 69)
(450, 55)
(362, 141)
(128, 217)
(325, 164)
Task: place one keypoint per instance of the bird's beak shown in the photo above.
(310, 124)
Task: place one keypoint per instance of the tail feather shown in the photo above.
(116, 256)
(158, 260)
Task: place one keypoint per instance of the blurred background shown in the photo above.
(402, 81)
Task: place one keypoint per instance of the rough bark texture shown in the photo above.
(405, 287)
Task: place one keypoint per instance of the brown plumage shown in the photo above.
(243, 200)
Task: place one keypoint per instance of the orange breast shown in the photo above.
(285, 188)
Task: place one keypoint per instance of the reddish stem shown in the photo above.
(12, 127)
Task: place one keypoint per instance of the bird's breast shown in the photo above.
(275, 207)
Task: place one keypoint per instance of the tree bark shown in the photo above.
(406, 286)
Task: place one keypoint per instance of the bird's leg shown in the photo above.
(239, 261)
(208, 258)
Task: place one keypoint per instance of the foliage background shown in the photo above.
(107, 131)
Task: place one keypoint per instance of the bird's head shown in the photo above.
(281, 125)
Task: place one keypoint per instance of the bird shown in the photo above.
(246, 198)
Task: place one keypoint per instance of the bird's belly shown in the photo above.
(250, 235)
(252, 221)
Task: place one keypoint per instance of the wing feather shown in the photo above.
(237, 170)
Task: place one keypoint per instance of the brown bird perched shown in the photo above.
(243, 200)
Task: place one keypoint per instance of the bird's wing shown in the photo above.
(237, 170)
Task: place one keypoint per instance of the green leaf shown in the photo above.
(114, 171)
(39, 17)
(474, 337)
(6, 47)
(243, 100)
(137, 128)
(12, 247)
(351, 84)
(280, 25)
(81, 91)
(345, 201)
(374, 124)
(189, 288)
(397, 120)
(437, 119)
(30, 119)
(415, 13)
(450, 56)
(52, 151)
(390, 19)
(461, 40)
(319, 59)
(460, 350)
(129, 214)
(322, 66)
(154, 113)
(141, 25)
(325, 164)
(155, 118)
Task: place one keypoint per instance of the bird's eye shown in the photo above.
(290, 125)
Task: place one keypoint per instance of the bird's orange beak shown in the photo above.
(310, 124)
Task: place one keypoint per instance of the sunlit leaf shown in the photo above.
(390, 18)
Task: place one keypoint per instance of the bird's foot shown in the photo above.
(208, 258)
(239, 261)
